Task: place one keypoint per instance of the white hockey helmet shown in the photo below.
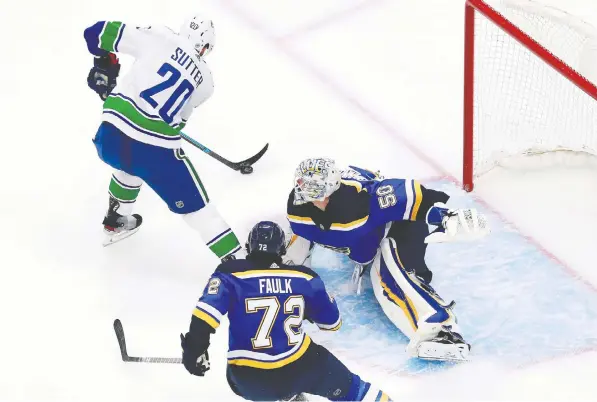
(200, 31)
(315, 179)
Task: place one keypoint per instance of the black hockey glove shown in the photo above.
(102, 77)
(194, 354)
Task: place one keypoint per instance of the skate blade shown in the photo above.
(115, 238)
(443, 352)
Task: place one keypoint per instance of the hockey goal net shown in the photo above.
(529, 84)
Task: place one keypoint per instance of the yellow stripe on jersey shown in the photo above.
(418, 199)
(350, 225)
(271, 272)
(301, 219)
(206, 317)
(337, 327)
(411, 313)
(355, 184)
(334, 226)
(384, 397)
(274, 365)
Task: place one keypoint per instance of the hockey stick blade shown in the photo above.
(120, 338)
(119, 330)
(254, 158)
(232, 165)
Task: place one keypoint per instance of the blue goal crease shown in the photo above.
(514, 304)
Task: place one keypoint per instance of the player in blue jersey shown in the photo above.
(270, 357)
(382, 225)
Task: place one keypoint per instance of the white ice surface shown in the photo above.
(351, 88)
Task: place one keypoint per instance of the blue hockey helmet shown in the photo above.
(266, 237)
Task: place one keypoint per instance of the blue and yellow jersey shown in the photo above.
(266, 307)
(355, 219)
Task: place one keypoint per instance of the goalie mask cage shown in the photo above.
(525, 90)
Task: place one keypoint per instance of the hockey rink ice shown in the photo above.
(372, 83)
(509, 330)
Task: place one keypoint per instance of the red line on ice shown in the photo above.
(342, 92)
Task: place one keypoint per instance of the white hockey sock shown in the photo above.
(214, 231)
(125, 188)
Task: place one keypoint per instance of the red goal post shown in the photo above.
(499, 102)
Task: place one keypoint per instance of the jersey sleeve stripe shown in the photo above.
(301, 219)
(333, 327)
(268, 365)
(120, 32)
(110, 35)
(408, 190)
(350, 225)
(260, 273)
(354, 184)
(210, 310)
(206, 317)
(418, 200)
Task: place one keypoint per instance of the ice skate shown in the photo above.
(118, 227)
(447, 346)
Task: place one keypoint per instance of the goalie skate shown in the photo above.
(447, 346)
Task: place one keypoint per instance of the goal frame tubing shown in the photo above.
(480, 6)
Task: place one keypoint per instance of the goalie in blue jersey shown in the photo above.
(382, 225)
(270, 357)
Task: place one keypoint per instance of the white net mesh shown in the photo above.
(522, 105)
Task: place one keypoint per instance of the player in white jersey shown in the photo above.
(142, 117)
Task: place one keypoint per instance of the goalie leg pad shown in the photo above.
(409, 303)
(298, 250)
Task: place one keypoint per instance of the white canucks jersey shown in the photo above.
(168, 80)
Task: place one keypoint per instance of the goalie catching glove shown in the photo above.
(456, 225)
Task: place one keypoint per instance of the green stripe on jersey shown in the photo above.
(225, 245)
(128, 110)
(123, 193)
(109, 35)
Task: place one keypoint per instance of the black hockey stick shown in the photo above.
(243, 166)
(125, 357)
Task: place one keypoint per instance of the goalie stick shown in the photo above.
(125, 357)
(243, 166)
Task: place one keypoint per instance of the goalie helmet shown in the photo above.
(315, 179)
(200, 31)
